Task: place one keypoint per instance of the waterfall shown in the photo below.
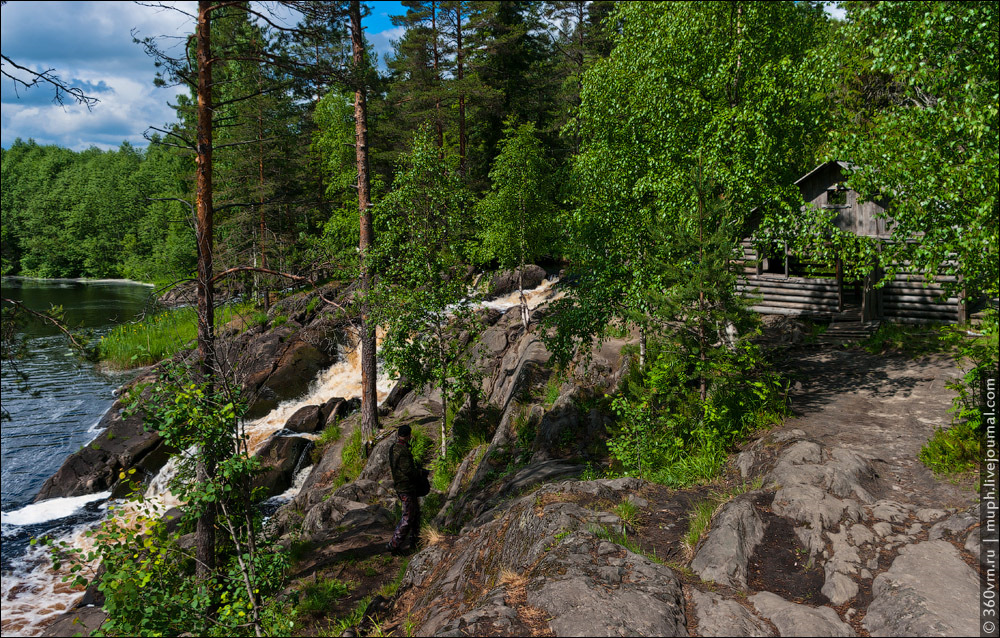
(34, 594)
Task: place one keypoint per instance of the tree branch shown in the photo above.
(46, 317)
(49, 77)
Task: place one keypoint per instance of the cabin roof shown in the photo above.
(846, 166)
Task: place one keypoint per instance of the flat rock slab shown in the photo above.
(78, 622)
(793, 619)
(717, 616)
(628, 595)
(736, 530)
(928, 591)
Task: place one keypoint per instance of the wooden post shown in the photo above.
(840, 285)
(871, 298)
(962, 316)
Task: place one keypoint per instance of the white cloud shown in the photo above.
(834, 10)
(383, 41)
(88, 44)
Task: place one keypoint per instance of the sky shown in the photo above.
(89, 45)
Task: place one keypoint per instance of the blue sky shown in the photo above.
(89, 44)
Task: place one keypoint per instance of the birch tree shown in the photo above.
(421, 288)
(515, 214)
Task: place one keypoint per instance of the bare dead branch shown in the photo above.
(47, 76)
(45, 317)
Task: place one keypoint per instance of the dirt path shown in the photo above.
(883, 407)
(852, 534)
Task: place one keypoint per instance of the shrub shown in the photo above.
(151, 580)
(421, 445)
(958, 448)
(666, 433)
(953, 450)
(352, 457)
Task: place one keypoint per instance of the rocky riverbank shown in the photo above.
(827, 523)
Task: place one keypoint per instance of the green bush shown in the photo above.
(958, 448)
(953, 450)
(664, 431)
(442, 474)
(421, 445)
(352, 457)
(150, 580)
(912, 340)
(552, 389)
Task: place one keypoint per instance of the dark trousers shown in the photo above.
(409, 524)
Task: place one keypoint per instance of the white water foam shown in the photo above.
(534, 297)
(33, 593)
(49, 510)
(293, 491)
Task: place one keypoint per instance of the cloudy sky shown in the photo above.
(89, 45)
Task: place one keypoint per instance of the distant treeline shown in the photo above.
(94, 213)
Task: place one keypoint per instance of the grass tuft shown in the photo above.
(160, 336)
(320, 595)
(700, 518)
(430, 535)
(627, 511)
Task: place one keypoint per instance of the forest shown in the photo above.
(755, 96)
(628, 146)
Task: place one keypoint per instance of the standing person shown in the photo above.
(404, 478)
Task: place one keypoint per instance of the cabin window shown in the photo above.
(774, 262)
(836, 197)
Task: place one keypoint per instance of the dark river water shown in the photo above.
(64, 399)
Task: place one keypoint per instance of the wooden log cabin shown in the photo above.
(788, 284)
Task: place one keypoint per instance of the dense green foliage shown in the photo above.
(516, 214)
(959, 448)
(91, 214)
(918, 116)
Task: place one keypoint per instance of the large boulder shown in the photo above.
(337, 514)
(305, 420)
(928, 591)
(283, 364)
(795, 619)
(281, 456)
(77, 622)
(541, 564)
(506, 282)
(337, 408)
(123, 443)
(736, 531)
(718, 616)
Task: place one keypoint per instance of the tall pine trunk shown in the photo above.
(205, 530)
(369, 397)
(461, 88)
(437, 79)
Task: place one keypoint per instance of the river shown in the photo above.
(55, 414)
